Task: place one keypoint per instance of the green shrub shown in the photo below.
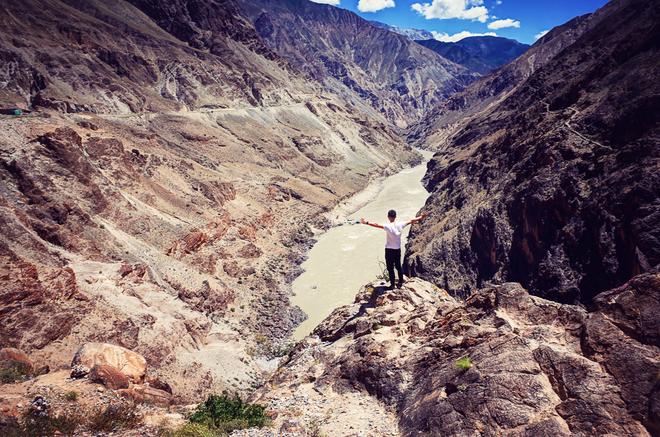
(14, 372)
(71, 396)
(225, 413)
(464, 363)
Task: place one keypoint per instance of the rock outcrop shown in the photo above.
(556, 186)
(128, 363)
(502, 362)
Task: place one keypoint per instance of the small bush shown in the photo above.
(114, 417)
(464, 363)
(14, 372)
(225, 413)
(64, 424)
(36, 423)
(71, 396)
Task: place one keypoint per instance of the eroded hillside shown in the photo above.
(159, 194)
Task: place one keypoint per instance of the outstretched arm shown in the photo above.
(375, 225)
(421, 217)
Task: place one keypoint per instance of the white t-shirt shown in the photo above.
(393, 234)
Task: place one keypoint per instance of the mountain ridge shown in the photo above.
(481, 54)
(561, 215)
(396, 76)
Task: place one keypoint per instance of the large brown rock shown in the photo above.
(109, 376)
(127, 362)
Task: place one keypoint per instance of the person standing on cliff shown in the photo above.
(393, 230)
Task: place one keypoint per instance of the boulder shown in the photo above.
(12, 358)
(127, 362)
(109, 376)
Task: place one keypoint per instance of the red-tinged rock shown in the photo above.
(15, 358)
(109, 376)
(250, 250)
(104, 147)
(129, 363)
(147, 395)
(158, 383)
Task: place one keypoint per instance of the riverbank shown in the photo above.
(348, 255)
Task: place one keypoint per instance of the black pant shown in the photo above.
(392, 260)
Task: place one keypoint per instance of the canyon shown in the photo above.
(176, 161)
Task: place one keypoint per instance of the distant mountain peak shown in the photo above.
(480, 54)
(412, 34)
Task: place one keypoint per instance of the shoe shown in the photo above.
(399, 284)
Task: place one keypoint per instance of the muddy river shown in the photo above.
(348, 256)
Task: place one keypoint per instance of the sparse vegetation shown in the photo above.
(36, 424)
(223, 414)
(114, 417)
(192, 430)
(71, 396)
(464, 363)
(63, 424)
(14, 372)
(266, 348)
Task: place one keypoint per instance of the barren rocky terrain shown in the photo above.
(175, 159)
(157, 197)
(417, 361)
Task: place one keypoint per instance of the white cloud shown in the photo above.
(540, 34)
(498, 2)
(445, 9)
(374, 5)
(501, 24)
(327, 2)
(444, 37)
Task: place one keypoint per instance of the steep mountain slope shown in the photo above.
(157, 196)
(456, 111)
(556, 187)
(352, 57)
(478, 53)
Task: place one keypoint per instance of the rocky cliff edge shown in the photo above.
(416, 361)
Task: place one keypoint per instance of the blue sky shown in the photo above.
(523, 20)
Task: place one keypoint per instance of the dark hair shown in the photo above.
(391, 213)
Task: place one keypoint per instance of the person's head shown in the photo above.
(391, 215)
